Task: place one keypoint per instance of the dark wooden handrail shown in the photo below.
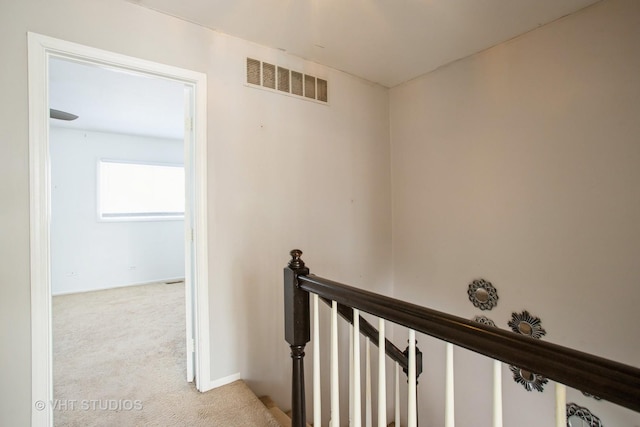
(616, 382)
(609, 380)
(369, 331)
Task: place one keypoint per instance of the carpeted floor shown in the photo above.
(119, 359)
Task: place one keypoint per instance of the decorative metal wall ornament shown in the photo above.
(482, 294)
(526, 324)
(484, 320)
(529, 380)
(575, 412)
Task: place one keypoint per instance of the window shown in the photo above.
(139, 191)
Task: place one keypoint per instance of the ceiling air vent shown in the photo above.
(283, 80)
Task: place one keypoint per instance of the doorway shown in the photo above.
(42, 50)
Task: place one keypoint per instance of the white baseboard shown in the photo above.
(104, 288)
(220, 382)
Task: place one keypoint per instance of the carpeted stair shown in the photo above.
(283, 418)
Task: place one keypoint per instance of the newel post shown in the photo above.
(297, 332)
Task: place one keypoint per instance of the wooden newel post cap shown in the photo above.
(295, 262)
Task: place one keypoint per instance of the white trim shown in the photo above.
(41, 369)
(126, 285)
(149, 218)
(40, 49)
(221, 381)
(200, 234)
(189, 266)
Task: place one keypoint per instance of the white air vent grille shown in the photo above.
(309, 86)
(321, 90)
(283, 79)
(253, 71)
(287, 81)
(268, 75)
(296, 83)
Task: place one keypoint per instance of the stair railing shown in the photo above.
(612, 381)
(378, 338)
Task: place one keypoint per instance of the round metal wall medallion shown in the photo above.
(578, 415)
(526, 324)
(482, 294)
(529, 380)
(484, 320)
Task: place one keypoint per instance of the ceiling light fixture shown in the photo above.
(61, 115)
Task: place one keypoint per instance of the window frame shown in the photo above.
(133, 216)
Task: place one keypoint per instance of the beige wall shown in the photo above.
(520, 165)
(287, 173)
(275, 182)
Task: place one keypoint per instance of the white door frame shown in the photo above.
(40, 49)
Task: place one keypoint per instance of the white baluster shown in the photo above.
(497, 393)
(382, 380)
(357, 401)
(412, 416)
(335, 393)
(397, 395)
(351, 400)
(367, 393)
(317, 405)
(449, 417)
(561, 405)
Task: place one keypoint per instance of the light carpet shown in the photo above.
(119, 360)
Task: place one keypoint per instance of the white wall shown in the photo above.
(269, 157)
(88, 254)
(516, 165)
(520, 165)
(289, 173)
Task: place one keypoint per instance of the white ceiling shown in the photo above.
(384, 41)
(111, 100)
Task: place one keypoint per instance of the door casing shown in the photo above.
(40, 49)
